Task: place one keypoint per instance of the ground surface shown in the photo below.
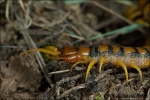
(60, 24)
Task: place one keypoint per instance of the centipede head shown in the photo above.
(72, 54)
(67, 50)
(68, 54)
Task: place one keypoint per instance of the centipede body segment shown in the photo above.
(139, 13)
(125, 57)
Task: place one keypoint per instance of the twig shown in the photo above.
(124, 30)
(59, 72)
(146, 81)
(8, 4)
(13, 47)
(103, 74)
(112, 12)
(74, 36)
(64, 94)
(148, 94)
(23, 25)
(105, 23)
(48, 24)
(69, 79)
(22, 5)
(116, 14)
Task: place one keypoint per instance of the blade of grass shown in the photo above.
(115, 14)
(125, 2)
(73, 1)
(24, 22)
(124, 30)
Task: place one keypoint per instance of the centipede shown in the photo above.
(140, 12)
(126, 57)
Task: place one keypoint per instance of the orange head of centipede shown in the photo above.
(72, 54)
(67, 54)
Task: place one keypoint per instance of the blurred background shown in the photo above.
(27, 24)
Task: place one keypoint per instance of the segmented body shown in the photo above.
(139, 56)
(140, 12)
(132, 57)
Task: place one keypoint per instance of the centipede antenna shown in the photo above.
(46, 51)
(52, 48)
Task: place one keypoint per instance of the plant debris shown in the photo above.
(36, 24)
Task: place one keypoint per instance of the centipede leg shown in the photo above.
(89, 68)
(125, 69)
(102, 61)
(138, 69)
(79, 62)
